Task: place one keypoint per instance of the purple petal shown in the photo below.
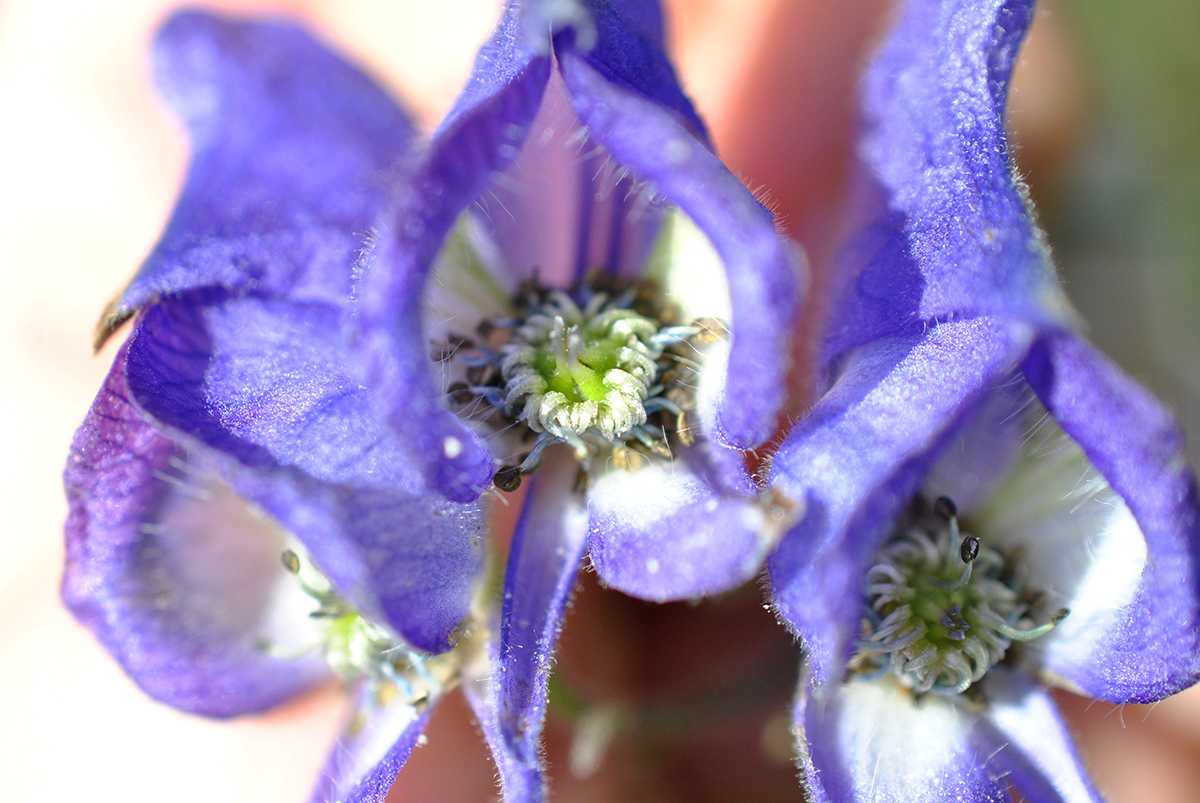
(1152, 648)
(290, 151)
(857, 460)
(264, 382)
(173, 573)
(371, 751)
(951, 230)
(646, 134)
(566, 206)
(1029, 742)
(677, 531)
(870, 741)
(543, 563)
(480, 138)
(630, 53)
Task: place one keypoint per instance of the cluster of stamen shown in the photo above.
(357, 649)
(942, 607)
(604, 368)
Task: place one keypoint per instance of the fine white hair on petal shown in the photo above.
(1071, 535)
(897, 748)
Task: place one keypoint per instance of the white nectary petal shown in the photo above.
(689, 270)
(465, 285)
(224, 558)
(875, 742)
(1070, 534)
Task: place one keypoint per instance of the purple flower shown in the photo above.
(975, 472)
(277, 469)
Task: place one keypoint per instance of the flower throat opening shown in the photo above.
(604, 367)
(942, 608)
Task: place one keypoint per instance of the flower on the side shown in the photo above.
(988, 503)
(344, 339)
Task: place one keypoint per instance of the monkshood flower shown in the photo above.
(344, 339)
(988, 503)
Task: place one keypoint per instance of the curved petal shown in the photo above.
(1151, 649)
(175, 575)
(543, 563)
(480, 138)
(870, 741)
(630, 53)
(264, 382)
(683, 530)
(860, 456)
(290, 150)
(950, 229)
(1029, 742)
(372, 750)
(646, 134)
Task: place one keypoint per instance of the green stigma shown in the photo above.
(942, 608)
(571, 370)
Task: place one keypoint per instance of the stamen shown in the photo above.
(941, 607)
(603, 368)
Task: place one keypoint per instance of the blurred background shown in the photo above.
(1107, 123)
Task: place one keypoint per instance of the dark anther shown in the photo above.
(945, 508)
(1061, 614)
(291, 561)
(485, 328)
(968, 550)
(459, 393)
(508, 478)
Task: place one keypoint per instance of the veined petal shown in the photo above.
(860, 456)
(264, 383)
(949, 229)
(1151, 648)
(645, 133)
(871, 742)
(174, 573)
(683, 530)
(629, 52)
(291, 147)
(543, 563)
(373, 748)
(1029, 742)
(480, 137)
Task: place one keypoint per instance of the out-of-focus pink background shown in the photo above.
(90, 162)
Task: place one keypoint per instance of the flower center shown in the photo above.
(604, 368)
(355, 648)
(942, 608)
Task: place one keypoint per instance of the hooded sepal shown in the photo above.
(172, 571)
(947, 228)
(860, 456)
(291, 151)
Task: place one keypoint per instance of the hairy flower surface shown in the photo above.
(989, 503)
(344, 338)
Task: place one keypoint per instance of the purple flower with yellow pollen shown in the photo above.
(346, 339)
(988, 503)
